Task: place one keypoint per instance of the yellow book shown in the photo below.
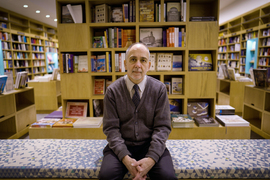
(106, 40)
(107, 62)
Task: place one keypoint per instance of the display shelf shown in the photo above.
(17, 112)
(256, 101)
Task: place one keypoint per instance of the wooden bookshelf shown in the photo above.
(231, 93)
(17, 113)
(247, 27)
(256, 109)
(26, 42)
(47, 96)
(201, 37)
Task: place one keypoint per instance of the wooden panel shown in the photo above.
(7, 105)
(26, 118)
(75, 85)
(254, 97)
(266, 123)
(201, 85)
(199, 35)
(73, 37)
(223, 99)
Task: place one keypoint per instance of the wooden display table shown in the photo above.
(47, 95)
(220, 132)
(17, 112)
(231, 93)
(256, 110)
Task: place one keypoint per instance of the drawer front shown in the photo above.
(254, 97)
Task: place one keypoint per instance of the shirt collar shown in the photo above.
(130, 84)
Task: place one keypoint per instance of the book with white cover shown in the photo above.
(88, 122)
(224, 110)
(231, 120)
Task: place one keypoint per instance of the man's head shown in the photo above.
(137, 62)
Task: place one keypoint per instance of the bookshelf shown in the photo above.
(201, 37)
(256, 110)
(250, 26)
(25, 42)
(17, 112)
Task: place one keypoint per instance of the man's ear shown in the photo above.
(149, 65)
(125, 63)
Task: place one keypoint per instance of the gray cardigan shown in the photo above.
(150, 122)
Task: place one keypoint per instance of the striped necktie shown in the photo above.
(136, 96)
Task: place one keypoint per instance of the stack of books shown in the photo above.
(88, 122)
(231, 120)
(182, 121)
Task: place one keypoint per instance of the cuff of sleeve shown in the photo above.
(153, 155)
(123, 153)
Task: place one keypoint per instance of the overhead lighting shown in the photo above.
(37, 11)
(47, 16)
(25, 6)
(55, 19)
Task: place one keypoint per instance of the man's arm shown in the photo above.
(111, 126)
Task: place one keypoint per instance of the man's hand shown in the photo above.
(144, 165)
(128, 162)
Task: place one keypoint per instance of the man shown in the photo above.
(136, 121)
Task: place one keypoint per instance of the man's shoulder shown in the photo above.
(154, 81)
(117, 83)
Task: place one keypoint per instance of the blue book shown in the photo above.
(101, 63)
(55, 115)
(180, 39)
(3, 80)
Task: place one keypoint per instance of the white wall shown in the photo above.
(239, 7)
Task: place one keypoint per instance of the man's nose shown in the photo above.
(138, 63)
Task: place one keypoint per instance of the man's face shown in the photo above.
(137, 63)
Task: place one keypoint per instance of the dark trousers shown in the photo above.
(113, 169)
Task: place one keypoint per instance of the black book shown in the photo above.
(206, 122)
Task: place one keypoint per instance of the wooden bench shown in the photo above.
(64, 158)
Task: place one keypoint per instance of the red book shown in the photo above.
(99, 86)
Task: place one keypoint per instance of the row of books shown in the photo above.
(264, 52)
(36, 41)
(4, 36)
(264, 61)
(115, 38)
(8, 64)
(38, 48)
(20, 38)
(50, 43)
(250, 35)
(101, 63)
(71, 63)
(266, 32)
(175, 86)
(225, 115)
(55, 119)
(20, 55)
(22, 47)
(21, 80)
(100, 86)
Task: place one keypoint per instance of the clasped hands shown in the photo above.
(138, 169)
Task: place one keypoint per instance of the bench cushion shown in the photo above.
(64, 158)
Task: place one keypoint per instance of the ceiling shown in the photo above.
(48, 7)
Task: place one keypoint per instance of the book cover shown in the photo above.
(151, 37)
(173, 11)
(164, 61)
(177, 86)
(76, 12)
(76, 109)
(224, 110)
(177, 63)
(260, 77)
(101, 63)
(128, 37)
(55, 115)
(98, 104)
(168, 87)
(65, 123)
(3, 80)
(175, 106)
(45, 122)
(152, 59)
(101, 13)
(224, 70)
(98, 42)
(147, 11)
(200, 62)
(231, 73)
(231, 120)
(99, 86)
(206, 122)
(88, 122)
(182, 121)
(66, 16)
(198, 109)
(83, 63)
(93, 63)
(9, 83)
(117, 14)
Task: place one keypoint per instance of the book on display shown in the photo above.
(225, 110)
(206, 122)
(231, 120)
(88, 122)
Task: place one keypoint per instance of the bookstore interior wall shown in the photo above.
(26, 44)
(244, 42)
(100, 60)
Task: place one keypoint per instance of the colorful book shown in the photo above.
(260, 77)
(177, 86)
(99, 86)
(200, 62)
(65, 123)
(101, 63)
(3, 80)
(206, 122)
(55, 115)
(147, 11)
(45, 122)
(83, 63)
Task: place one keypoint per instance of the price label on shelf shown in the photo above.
(233, 34)
(248, 30)
(37, 36)
(21, 33)
(267, 25)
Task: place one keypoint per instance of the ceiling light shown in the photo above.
(25, 6)
(47, 16)
(37, 11)
(55, 19)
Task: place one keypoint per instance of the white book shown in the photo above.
(232, 120)
(83, 63)
(177, 63)
(153, 62)
(177, 86)
(77, 12)
(88, 122)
